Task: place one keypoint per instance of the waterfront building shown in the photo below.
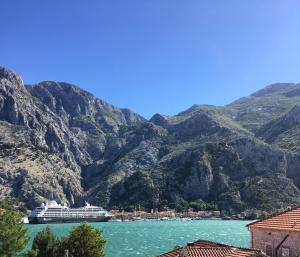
(278, 235)
(170, 214)
(204, 248)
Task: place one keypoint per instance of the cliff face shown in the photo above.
(49, 132)
(59, 141)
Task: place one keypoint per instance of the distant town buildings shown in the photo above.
(203, 248)
(279, 235)
(164, 214)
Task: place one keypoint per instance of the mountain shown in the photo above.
(50, 131)
(283, 131)
(59, 141)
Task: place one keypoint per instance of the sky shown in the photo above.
(154, 56)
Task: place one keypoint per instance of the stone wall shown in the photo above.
(263, 238)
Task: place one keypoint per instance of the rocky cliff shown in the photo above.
(59, 141)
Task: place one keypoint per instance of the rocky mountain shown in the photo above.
(59, 141)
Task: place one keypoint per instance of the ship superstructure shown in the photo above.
(53, 212)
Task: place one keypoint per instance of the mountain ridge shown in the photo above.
(60, 141)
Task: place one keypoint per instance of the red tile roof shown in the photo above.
(203, 248)
(287, 220)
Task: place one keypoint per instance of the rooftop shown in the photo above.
(287, 220)
(203, 248)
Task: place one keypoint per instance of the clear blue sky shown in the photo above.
(154, 55)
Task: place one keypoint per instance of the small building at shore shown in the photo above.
(204, 248)
(278, 235)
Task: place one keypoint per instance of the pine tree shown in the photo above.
(86, 241)
(13, 236)
(45, 243)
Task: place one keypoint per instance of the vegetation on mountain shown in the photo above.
(200, 205)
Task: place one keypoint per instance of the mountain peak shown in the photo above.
(10, 75)
(274, 89)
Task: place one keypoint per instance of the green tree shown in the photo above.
(200, 205)
(13, 236)
(86, 241)
(45, 243)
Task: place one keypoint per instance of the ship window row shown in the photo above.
(68, 215)
(71, 213)
(74, 210)
(60, 209)
(81, 211)
(63, 208)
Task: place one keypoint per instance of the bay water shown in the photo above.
(151, 238)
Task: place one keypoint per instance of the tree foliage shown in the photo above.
(200, 205)
(83, 241)
(45, 243)
(86, 241)
(13, 236)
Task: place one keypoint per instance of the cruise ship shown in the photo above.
(53, 212)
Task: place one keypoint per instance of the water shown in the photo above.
(150, 238)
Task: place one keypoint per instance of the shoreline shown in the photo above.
(141, 220)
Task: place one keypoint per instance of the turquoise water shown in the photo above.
(150, 238)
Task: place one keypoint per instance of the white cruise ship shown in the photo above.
(53, 212)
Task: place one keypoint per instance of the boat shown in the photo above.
(164, 218)
(137, 219)
(197, 218)
(116, 220)
(52, 212)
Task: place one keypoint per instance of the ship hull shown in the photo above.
(43, 220)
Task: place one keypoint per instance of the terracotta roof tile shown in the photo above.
(204, 248)
(206, 243)
(205, 252)
(287, 220)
